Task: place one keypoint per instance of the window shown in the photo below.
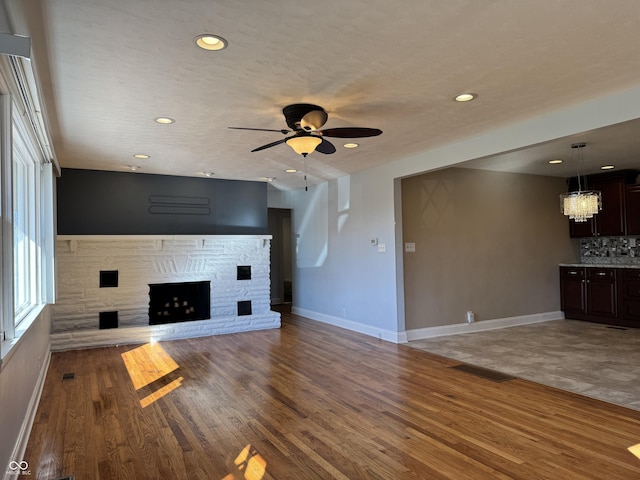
(26, 223)
(27, 231)
(29, 241)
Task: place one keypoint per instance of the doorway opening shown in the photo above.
(279, 227)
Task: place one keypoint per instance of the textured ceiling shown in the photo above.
(108, 68)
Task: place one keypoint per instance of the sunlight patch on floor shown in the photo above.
(147, 364)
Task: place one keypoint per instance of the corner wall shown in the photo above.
(489, 242)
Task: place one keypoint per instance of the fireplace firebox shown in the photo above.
(179, 302)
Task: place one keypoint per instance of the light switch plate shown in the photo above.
(382, 248)
(409, 247)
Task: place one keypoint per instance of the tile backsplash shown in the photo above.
(610, 250)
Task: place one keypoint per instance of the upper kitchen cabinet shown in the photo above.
(611, 221)
(632, 201)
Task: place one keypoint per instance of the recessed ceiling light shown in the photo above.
(556, 161)
(133, 168)
(607, 167)
(207, 174)
(164, 120)
(291, 170)
(141, 155)
(267, 179)
(207, 41)
(351, 145)
(465, 97)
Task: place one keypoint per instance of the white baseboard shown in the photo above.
(484, 325)
(25, 430)
(429, 332)
(389, 336)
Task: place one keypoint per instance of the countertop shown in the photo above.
(601, 265)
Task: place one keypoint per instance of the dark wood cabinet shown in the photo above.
(604, 295)
(582, 229)
(573, 291)
(589, 293)
(629, 296)
(632, 211)
(611, 221)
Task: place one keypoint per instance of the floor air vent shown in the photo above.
(68, 376)
(484, 373)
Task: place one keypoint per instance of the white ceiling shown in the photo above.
(107, 68)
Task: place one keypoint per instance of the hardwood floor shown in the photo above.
(311, 401)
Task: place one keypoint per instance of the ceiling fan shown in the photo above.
(305, 121)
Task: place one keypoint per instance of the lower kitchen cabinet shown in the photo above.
(604, 295)
(630, 295)
(573, 292)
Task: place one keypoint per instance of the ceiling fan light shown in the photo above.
(313, 120)
(304, 145)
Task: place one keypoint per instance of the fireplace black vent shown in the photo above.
(108, 278)
(179, 302)
(244, 308)
(108, 320)
(244, 272)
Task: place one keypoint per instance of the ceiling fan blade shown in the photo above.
(350, 132)
(326, 147)
(284, 132)
(269, 145)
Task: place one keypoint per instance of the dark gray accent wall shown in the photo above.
(93, 202)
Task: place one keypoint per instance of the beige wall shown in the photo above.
(22, 376)
(489, 242)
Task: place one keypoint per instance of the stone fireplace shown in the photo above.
(209, 285)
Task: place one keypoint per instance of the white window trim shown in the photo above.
(7, 323)
(18, 90)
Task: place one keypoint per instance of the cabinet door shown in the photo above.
(602, 295)
(582, 229)
(572, 291)
(610, 221)
(630, 295)
(632, 203)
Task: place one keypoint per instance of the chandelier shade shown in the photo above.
(581, 205)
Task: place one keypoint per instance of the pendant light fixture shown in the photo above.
(580, 205)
